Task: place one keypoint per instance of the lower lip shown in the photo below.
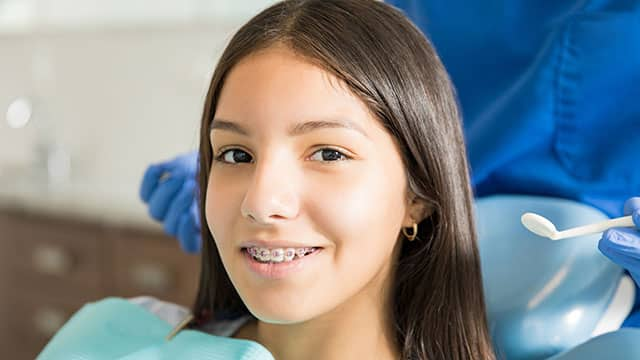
(280, 270)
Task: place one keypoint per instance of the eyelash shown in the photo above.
(221, 154)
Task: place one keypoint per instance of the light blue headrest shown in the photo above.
(114, 328)
(622, 344)
(542, 296)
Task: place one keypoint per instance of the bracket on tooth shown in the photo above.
(277, 255)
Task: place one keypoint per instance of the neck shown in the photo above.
(348, 334)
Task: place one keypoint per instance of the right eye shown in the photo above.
(230, 156)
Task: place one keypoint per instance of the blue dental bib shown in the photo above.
(114, 328)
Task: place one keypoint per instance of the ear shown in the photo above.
(417, 210)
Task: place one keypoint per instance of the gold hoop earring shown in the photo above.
(413, 235)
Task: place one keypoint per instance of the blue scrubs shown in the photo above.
(550, 95)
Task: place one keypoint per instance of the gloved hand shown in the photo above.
(622, 245)
(170, 189)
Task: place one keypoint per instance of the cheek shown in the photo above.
(218, 210)
(363, 211)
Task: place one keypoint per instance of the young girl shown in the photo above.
(336, 207)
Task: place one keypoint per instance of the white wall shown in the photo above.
(20, 14)
(115, 95)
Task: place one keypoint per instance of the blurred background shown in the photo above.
(91, 93)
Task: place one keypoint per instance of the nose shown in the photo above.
(271, 196)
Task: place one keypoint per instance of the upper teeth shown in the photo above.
(278, 254)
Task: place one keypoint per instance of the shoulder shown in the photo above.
(174, 314)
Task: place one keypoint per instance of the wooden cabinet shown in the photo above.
(50, 267)
(154, 265)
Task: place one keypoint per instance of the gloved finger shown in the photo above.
(188, 234)
(150, 181)
(194, 242)
(179, 206)
(163, 196)
(629, 263)
(622, 246)
(632, 207)
(195, 212)
(181, 164)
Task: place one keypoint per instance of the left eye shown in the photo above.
(330, 155)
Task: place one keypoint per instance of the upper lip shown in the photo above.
(274, 244)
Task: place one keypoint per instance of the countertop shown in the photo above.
(103, 203)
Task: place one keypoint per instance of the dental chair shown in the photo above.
(560, 300)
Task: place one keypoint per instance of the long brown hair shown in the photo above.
(437, 306)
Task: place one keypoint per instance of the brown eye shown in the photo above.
(233, 156)
(330, 155)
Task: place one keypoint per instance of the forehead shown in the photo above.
(276, 86)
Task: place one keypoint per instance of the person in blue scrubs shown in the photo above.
(549, 95)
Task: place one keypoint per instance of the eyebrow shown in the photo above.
(295, 130)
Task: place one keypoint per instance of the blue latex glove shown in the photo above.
(173, 200)
(622, 245)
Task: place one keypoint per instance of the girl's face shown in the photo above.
(289, 172)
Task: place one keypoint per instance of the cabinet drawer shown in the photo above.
(33, 319)
(147, 264)
(56, 256)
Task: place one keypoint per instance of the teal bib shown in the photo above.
(114, 328)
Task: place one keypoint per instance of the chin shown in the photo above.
(280, 309)
(279, 317)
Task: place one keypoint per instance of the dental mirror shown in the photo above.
(541, 226)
